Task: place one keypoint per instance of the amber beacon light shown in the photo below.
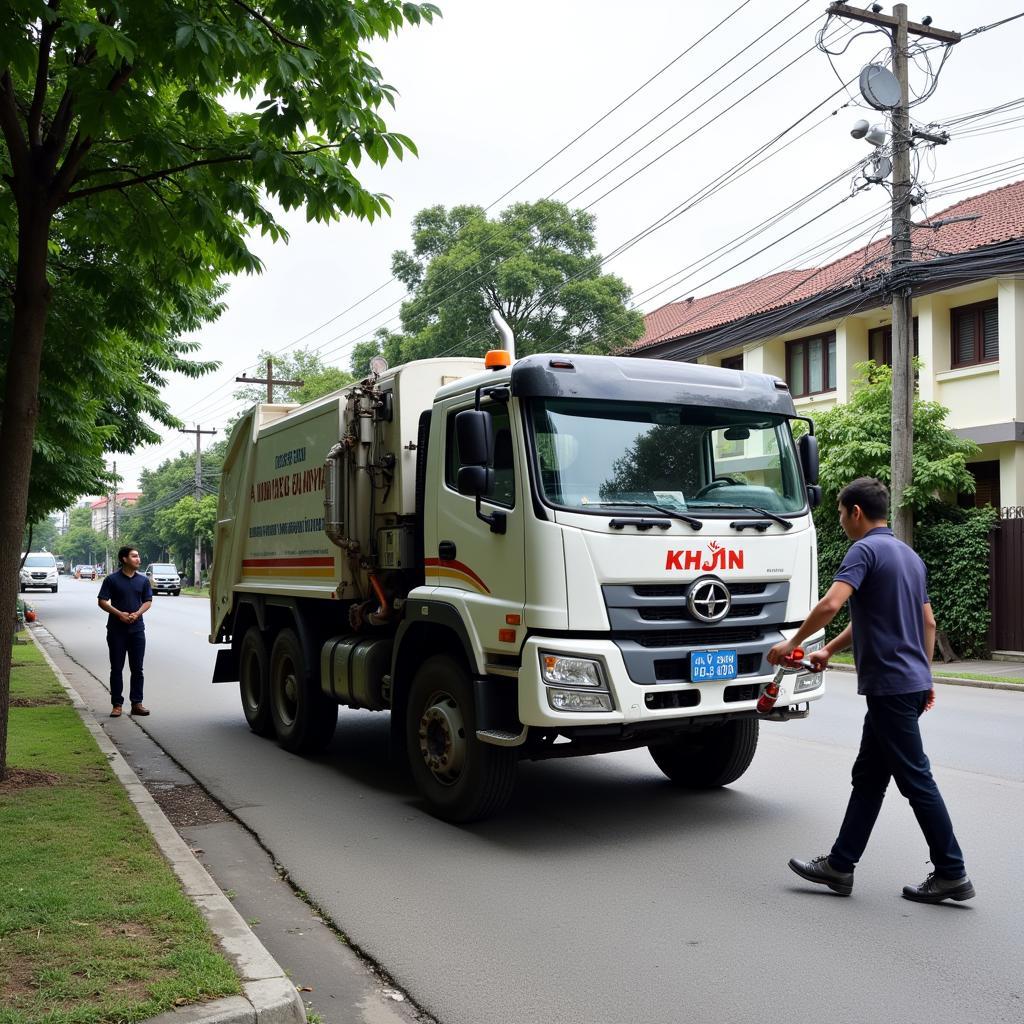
(497, 359)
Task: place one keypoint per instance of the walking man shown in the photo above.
(126, 596)
(892, 629)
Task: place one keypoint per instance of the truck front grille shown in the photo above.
(682, 613)
(694, 638)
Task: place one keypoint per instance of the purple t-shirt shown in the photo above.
(887, 610)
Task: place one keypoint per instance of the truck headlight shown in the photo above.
(579, 700)
(809, 680)
(562, 671)
(575, 684)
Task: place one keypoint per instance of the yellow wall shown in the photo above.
(976, 396)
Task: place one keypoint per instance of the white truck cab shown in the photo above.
(560, 556)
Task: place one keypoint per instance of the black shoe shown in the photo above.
(934, 890)
(819, 870)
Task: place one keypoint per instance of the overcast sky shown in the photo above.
(493, 89)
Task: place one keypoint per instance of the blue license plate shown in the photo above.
(712, 666)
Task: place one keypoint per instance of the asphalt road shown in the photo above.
(602, 895)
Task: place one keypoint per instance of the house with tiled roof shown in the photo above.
(104, 512)
(813, 326)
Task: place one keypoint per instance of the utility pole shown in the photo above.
(198, 495)
(111, 505)
(270, 382)
(902, 447)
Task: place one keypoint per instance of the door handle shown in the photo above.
(446, 550)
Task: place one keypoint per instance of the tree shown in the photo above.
(120, 123)
(43, 536)
(119, 327)
(179, 524)
(318, 378)
(854, 440)
(81, 545)
(162, 488)
(536, 264)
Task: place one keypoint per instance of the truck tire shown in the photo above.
(254, 682)
(304, 719)
(710, 758)
(461, 778)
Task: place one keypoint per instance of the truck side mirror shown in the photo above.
(475, 435)
(474, 432)
(807, 446)
(478, 480)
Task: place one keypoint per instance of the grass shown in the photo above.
(847, 659)
(94, 928)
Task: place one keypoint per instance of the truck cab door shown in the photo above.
(483, 572)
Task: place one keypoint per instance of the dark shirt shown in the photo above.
(126, 594)
(887, 610)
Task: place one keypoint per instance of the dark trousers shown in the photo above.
(891, 748)
(121, 642)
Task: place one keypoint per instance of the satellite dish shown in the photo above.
(378, 365)
(881, 168)
(880, 87)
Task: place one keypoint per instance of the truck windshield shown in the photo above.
(706, 460)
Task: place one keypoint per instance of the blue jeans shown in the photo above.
(121, 642)
(891, 748)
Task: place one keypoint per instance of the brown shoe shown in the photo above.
(115, 711)
(138, 709)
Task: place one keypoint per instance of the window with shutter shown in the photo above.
(880, 344)
(811, 364)
(990, 332)
(986, 480)
(974, 333)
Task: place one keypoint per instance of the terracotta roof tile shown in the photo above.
(1001, 219)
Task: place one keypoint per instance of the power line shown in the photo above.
(706, 124)
(678, 99)
(620, 104)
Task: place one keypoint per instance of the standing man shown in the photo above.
(892, 629)
(126, 596)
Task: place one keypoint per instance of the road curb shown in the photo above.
(269, 996)
(982, 684)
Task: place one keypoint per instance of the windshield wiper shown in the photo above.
(786, 524)
(671, 513)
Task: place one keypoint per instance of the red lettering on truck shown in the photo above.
(718, 558)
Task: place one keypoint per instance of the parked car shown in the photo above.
(39, 571)
(85, 572)
(164, 578)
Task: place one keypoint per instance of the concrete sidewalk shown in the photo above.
(958, 672)
(214, 855)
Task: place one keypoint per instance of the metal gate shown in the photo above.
(1006, 593)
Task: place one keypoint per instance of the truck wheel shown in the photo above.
(710, 758)
(461, 778)
(304, 719)
(254, 682)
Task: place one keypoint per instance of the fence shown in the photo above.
(1006, 571)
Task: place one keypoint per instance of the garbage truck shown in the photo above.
(527, 558)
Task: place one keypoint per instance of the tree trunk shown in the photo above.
(18, 427)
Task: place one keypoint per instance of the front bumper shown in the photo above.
(635, 703)
(42, 582)
(163, 586)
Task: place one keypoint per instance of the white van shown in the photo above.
(40, 571)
